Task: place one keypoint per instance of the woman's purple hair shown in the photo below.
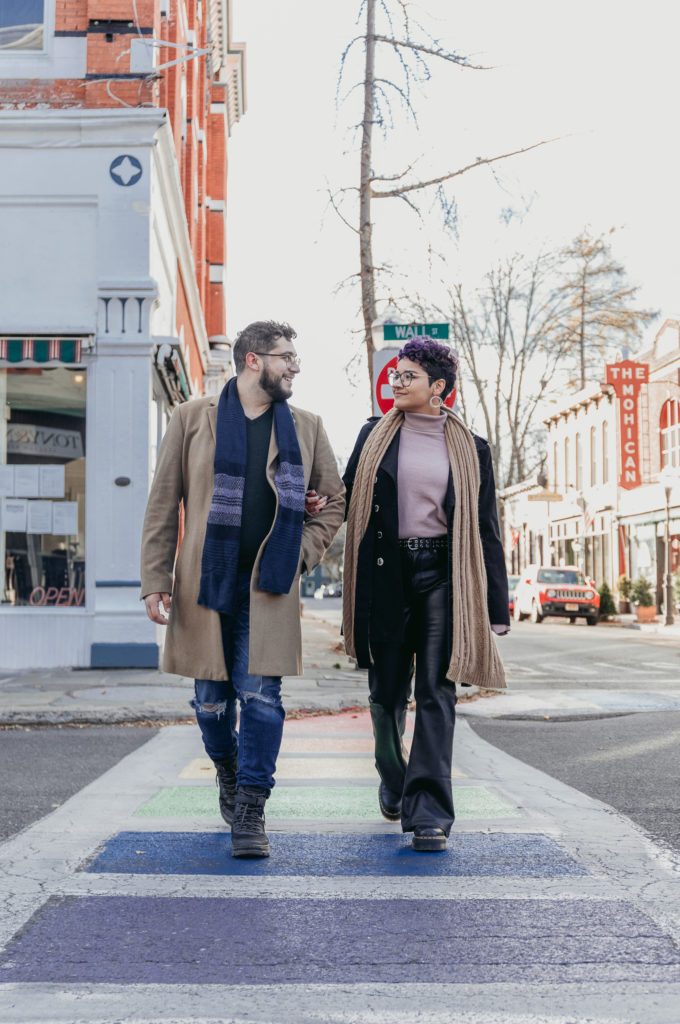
(436, 359)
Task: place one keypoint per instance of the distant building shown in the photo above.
(607, 529)
(114, 121)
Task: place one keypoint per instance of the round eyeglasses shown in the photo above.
(288, 357)
(403, 380)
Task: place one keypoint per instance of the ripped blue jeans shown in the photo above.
(261, 723)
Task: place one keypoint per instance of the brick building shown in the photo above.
(607, 529)
(114, 122)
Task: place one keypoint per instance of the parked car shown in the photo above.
(328, 590)
(548, 590)
(512, 586)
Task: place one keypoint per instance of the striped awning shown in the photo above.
(41, 350)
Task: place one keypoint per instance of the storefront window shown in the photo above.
(22, 24)
(670, 433)
(42, 487)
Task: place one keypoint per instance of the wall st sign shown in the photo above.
(627, 378)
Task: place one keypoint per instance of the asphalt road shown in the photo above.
(564, 656)
(41, 768)
(631, 762)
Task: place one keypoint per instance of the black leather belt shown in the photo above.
(424, 543)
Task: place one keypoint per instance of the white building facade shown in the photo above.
(592, 521)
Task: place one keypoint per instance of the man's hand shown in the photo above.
(314, 502)
(153, 604)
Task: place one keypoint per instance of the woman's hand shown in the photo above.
(314, 502)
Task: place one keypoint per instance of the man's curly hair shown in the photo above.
(437, 360)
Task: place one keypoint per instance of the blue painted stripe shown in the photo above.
(330, 854)
(180, 940)
(124, 655)
(118, 583)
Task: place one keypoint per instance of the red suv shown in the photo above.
(548, 590)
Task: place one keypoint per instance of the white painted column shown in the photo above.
(119, 471)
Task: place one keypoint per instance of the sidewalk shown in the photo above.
(125, 905)
(114, 696)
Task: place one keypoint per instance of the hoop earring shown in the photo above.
(436, 402)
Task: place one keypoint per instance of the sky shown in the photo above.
(601, 76)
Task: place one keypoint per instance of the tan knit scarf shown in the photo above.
(474, 657)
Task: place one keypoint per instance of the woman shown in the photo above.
(424, 577)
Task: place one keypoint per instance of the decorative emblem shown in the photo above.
(126, 170)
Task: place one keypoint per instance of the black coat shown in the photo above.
(379, 597)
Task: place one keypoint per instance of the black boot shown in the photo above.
(390, 758)
(248, 837)
(429, 840)
(389, 803)
(226, 780)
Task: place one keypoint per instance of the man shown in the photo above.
(241, 466)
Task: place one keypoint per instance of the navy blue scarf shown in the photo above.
(279, 562)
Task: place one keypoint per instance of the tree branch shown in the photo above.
(455, 174)
(453, 58)
(331, 199)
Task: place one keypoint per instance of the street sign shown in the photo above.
(384, 359)
(545, 496)
(406, 332)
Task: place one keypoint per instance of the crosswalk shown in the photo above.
(545, 905)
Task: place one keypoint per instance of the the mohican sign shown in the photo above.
(627, 378)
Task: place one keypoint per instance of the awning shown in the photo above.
(41, 350)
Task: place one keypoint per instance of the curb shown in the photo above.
(131, 716)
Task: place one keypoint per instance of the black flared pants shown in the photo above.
(424, 780)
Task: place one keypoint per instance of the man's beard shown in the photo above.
(273, 387)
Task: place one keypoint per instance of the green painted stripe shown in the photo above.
(361, 802)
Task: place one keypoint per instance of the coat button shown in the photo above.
(376, 508)
(381, 561)
(379, 534)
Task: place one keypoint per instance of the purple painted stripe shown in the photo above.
(130, 940)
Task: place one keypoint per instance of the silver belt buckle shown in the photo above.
(412, 543)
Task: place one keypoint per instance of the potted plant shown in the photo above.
(643, 598)
(607, 606)
(624, 587)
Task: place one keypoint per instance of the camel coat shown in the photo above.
(184, 473)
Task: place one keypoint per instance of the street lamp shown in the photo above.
(576, 547)
(668, 480)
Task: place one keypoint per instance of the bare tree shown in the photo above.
(600, 311)
(415, 51)
(506, 334)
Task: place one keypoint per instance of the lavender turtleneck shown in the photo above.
(423, 475)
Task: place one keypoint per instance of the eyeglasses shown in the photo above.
(403, 380)
(288, 357)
